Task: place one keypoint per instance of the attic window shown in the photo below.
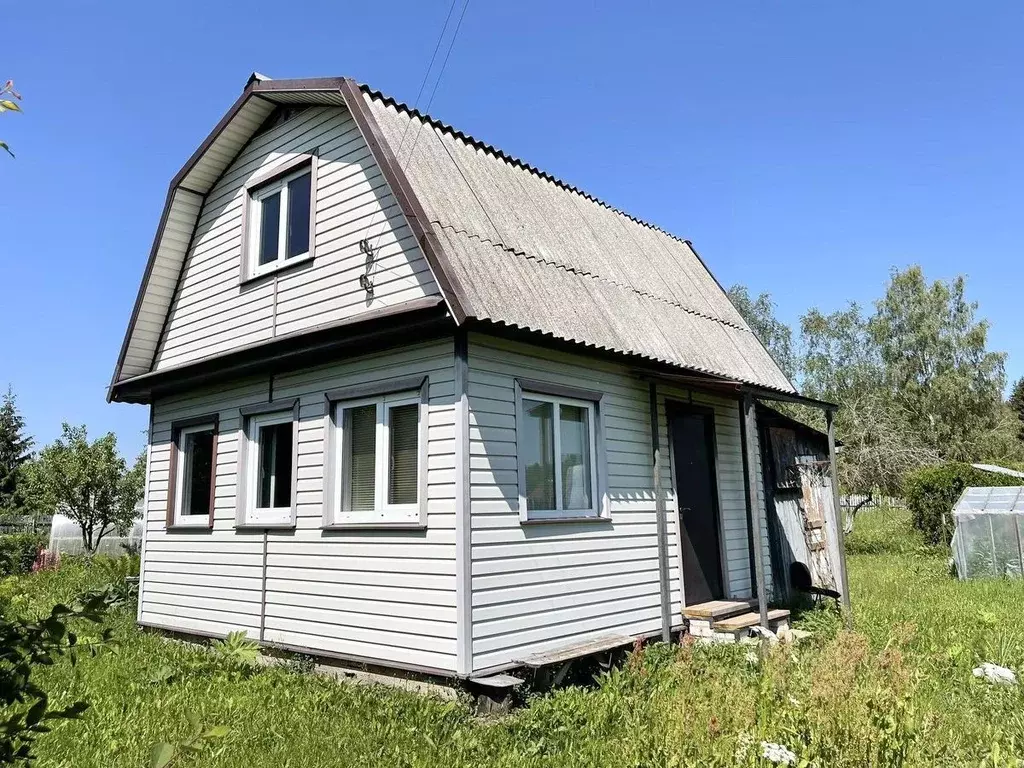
(280, 210)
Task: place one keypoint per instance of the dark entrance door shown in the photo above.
(692, 432)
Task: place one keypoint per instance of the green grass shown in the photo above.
(897, 692)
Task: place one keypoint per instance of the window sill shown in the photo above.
(253, 526)
(556, 520)
(199, 525)
(285, 266)
(369, 525)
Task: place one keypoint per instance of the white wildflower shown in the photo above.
(743, 746)
(753, 657)
(776, 753)
(996, 674)
(794, 701)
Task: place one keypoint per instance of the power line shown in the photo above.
(370, 248)
(430, 66)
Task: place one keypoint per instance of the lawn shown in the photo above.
(897, 691)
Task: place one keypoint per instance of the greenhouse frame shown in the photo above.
(989, 538)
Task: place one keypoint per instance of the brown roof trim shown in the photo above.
(299, 84)
(377, 329)
(417, 217)
(771, 417)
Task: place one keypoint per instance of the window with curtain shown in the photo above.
(379, 458)
(556, 456)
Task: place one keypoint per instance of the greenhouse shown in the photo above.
(66, 538)
(987, 542)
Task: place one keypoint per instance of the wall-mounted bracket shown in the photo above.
(365, 280)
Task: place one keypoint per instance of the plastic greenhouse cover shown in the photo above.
(991, 501)
(989, 538)
(66, 538)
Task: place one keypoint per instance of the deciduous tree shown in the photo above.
(759, 313)
(89, 482)
(915, 379)
(1016, 403)
(936, 360)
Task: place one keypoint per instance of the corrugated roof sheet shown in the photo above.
(516, 289)
(535, 253)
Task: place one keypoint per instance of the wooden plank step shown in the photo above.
(575, 651)
(717, 609)
(498, 681)
(752, 619)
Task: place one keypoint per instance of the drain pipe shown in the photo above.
(659, 507)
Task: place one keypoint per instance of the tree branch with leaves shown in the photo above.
(7, 105)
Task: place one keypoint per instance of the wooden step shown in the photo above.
(565, 653)
(717, 609)
(746, 620)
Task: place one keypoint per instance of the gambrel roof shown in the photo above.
(507, 244)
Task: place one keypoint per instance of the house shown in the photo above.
(402, 388)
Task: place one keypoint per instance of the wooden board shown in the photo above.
(717, 609)
(748, 620)
(575, 651)
(498, 681)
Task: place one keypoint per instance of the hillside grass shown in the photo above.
(896, 692)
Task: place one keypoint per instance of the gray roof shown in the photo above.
(999, 500)
(508, 244)
(533, 252)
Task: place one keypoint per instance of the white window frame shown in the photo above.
(196, 519)
(258, 196)
(254, 417)
(559, 395)
(258, 188)
(384, 396)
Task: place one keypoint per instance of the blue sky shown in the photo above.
(805, 148)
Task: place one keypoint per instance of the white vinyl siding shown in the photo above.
(541, 587)
(382, 595)
(212, 313)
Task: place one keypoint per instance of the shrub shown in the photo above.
(18, 551)
(932, 492)
(26, 646)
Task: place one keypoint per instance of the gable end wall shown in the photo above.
(213, 313)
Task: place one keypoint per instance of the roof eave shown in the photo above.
(172, 188)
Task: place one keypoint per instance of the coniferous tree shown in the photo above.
(15, 451)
